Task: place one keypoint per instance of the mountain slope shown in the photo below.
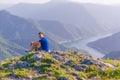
(19, 28)
(64, 12)
(113, 55)
(58, 66)
(58, 31)
(55, 27)
(107, 45)
(21, 31)
(8, 49)
(106, 16)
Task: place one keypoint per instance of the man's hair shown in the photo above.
(41, 33)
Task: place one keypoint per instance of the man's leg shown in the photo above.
(34, 46)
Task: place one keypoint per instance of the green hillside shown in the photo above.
(59, 65)
(8, 49)
(22, 32)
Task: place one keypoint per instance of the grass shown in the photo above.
(52, 69)
(22, 73)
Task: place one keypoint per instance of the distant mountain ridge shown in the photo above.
(68, 13)
(9, 49)
(113, 55)
(56, 28)
(109, 46)
(18, 27)
(61, 21)
(107, 16)
(21, 32)
(21, 28)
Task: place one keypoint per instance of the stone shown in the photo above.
(22, 64)
(69, 62)
(11, 67)
(78, 68)
(87, 62)
(38, 57)
(74, 74)
(38, 64)
(83, 66)
(62, 78)
(59, 58)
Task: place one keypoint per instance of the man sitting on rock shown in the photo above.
(42, 44)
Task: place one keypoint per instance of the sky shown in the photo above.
(44, 1)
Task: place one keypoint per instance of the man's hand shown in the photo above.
(31, 43)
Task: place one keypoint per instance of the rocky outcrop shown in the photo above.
(56, 65)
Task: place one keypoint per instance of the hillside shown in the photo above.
(113, 55)
(107, 16)
(8, 49)
(22, 31)
(56, 30)
(15, 32)
(108, 45)
(59, 65)
(68, 13)
(21, 28)
(17, 27)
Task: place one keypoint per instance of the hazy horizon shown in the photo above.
(105, 2)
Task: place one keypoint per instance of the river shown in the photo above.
(82, 45)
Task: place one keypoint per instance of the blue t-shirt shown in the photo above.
(44, 44)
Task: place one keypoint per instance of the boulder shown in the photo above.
(62, 78)
(69, 63)
(21, 64)
(38, 57)
(78, 68)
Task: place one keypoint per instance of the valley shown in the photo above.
(82, 44)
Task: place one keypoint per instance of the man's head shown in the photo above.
(41, 35)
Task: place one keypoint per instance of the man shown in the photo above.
(42, 44)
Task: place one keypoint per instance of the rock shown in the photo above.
(11, 67)
(87, 62)
(69, 62)
(78, 68)
(102, 64)
(94, 78)
(22, 64)
(59, 58)
(1, 63)
(62, 78)
(74, 74)
(30, 77)
(60, 53)
(38, 64)
(108, 65)
(83, 79)
(83, 66)
(38, 57)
